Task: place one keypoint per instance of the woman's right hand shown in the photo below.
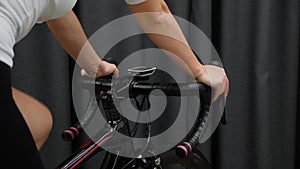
(215, 77)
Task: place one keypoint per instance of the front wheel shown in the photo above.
(195, 160)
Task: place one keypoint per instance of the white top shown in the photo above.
(55, 9)
(17, 17)
(133, 2)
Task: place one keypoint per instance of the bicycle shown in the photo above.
(184, 154)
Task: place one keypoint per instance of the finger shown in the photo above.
(216, 96)
(227, 87)
(116, 73)
(217, 93)
(83, 72)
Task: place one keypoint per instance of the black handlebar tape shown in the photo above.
(140, 88)
(169, 89)
(103, 84)
(185, 148)
(73, 131)
(90, 111)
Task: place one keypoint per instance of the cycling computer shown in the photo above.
(141, 71)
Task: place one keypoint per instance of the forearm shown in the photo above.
(69, 33)
(165, 32)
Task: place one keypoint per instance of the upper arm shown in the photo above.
(150, 6)
(56, 9)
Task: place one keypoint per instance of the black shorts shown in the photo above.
(17, 145)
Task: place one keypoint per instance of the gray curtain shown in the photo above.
(258, 42)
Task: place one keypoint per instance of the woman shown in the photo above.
(17, 17)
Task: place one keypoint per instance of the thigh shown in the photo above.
(18, 147)
(37, 116)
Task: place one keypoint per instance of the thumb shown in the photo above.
(83, 72)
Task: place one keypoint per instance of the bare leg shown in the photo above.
(37, 116)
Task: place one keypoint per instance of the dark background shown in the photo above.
(258, 42)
